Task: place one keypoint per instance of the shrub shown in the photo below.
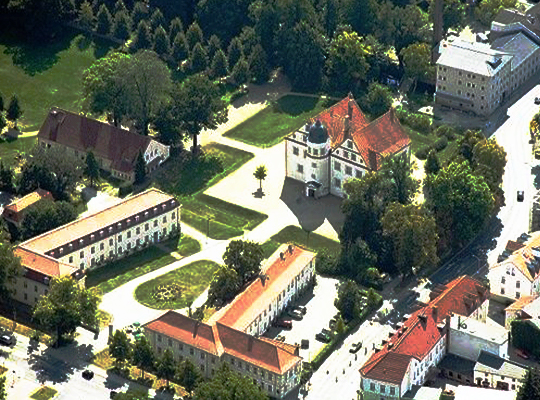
(419, 122)
(446, 131)
(422, 153)
(402, 114)
(441, 144)
(125, 189)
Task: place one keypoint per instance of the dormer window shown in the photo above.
(81, 242)
(145, 214)
(349, 144)
(92, 237)
(136, 218)
(119, 226)
(163, 206)
(101, 233)
(155, 210)
(128, 221)
(61, 250)
(71, 246)
(110, 229)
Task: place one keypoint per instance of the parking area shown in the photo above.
(319, 310)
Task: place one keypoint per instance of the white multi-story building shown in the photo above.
(123, 228)
(339, 144)
(518, 275)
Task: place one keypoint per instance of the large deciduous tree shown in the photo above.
(224, 286)
(165, 366)
(530, 390)
(14, 110)
(348, 300)
(413, 233)
(489, 161)
(188, 375)
(120, 349)
(10, 269)
(397, 170)
(377, 100)
(66, 306)
(417, 62)
(244, 257)
(46, 215)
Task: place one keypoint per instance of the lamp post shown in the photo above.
(479, 262)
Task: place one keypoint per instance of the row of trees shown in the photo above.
(227, 383)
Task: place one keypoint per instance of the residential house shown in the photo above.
(339, 144)
(115, 149)
(518, 275)
(471, 392)
(526, 307)
(14, 212)
(499, 373)
(419, 343)
(121, 229)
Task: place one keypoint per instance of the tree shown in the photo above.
(488, 9)
(240, 72)
(6, 178)
(14, 111)
(140, 12)
(361, 15)
(348, 300)
(86, 16)
(330, 16)
(188, 375)
(260, 174)
(224, 286)
(377, 100)
(1, 102)
(140, 168)
(180, 49)
(417, 62)
(143, 355)
(413, 232)
(235, 51)
(175, 27)
(432, 165)
(249, 39)
(397, 169)
(104, 20)
(198, 105)
(467, 143)
(122, 25)
(66, 306)
(92, 168)
(143, 38)
(461, 202)
(165, 367)
(120, 349)
(46, 215)
(373, 298)
(228, 384)
(530, 390)
(525, 335)
(233, 15)
(258, 64)
(489, 161)
(214, 44)
(10, 269)
(244, 257)
(357, 260)
(194, 35)
(162, 45)
(157, 19)
(219, 67)
(199, 59)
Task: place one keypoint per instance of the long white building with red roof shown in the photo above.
(421, 341)
(231, 334)
(339, 144)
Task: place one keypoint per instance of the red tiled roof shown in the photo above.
(83, 134)
(218, 339)
(420, 332)
(28, 200)
(43, 264)
(380, 138)
(255, 298)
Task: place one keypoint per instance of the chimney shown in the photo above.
(435, 312)
(282, 256)
(290, 248)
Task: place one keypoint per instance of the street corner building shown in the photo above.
(339, 144)
(115, 149)
(232, 334)
(94, 241)
(411, 353)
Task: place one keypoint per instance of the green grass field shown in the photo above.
(10, 149)
(46, 75)
(295, 234)
(193, 279)
(419, 140)
(270, 125)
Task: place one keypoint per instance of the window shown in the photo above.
(172, 215)
(191, 351)
(349, 144)
(169, 341)
(502, 290)
(382, 389)
(353, 156)
(518, 295)
(26, 296)
(337, 166)
(81, 254)
(518, 283)
(93, 250)
(295, 150)
(372, 387)
(70, 259)
(503, 279)
(138, 230)
(155, 222)
(202, 356)
(300, 168)
(159, 338)
(146, 227)
(110, 242)
(316, 152)
(348, 170)
(337, 182)
(119, 238)
(102, 246)
(358, 173)
(129, 234)
(392, 390)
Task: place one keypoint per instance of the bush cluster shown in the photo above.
(419, 122)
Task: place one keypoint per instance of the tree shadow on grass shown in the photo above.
(35, 58)
(295, 105)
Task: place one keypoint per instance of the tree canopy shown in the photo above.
(10, 269)
(244, 257)
(46, 215)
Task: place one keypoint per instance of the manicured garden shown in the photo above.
(421, 140)
(177, 289)
(295, 234)
(270, 125)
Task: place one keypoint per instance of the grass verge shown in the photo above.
(270, 125)
(126, 269)
(185, 245)
(297, 235)
(44, 393)
(193, 279)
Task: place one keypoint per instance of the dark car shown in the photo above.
(520, 195)
(304, 344)
(323, 337)
(302, 309)
(327, 332)
(8, 340)
(87, 374)
(355, 347)
(284, 323)
(113, 394)
(537, 100)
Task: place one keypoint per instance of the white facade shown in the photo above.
(507, 280)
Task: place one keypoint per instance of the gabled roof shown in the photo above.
(84, 134)
(524, 258)
(422, 330)
(276, 274)
(43, 264)
(521, 303)
(380, 138)
(493, 364)
(26, 201)
(218, 339)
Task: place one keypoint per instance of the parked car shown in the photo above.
(113, 394)
(88, 374)
(8, 340)
(284, 323)
(296, 314)
(537, 100)
(327, 332)
(355, 347)
(323, 337)
(304, 343)
(302, 309)
(332, 323)
(520, 195)
(523, 354)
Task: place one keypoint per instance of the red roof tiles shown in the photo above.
(43, 264)
(13, 210)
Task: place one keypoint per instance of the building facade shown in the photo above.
(115, 149)
(339, 144)
(491, 371)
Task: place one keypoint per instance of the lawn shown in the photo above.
(420, 140)
(44, 393)
(270, 125)
(46, 75)
(185, 245)
(121, 271)
(297, 235)
(9, 149)
(192, 280)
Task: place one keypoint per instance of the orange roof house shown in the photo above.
(14, 212)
